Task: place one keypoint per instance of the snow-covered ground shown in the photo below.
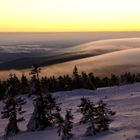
(125, 100)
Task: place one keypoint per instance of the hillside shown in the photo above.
(122, 99)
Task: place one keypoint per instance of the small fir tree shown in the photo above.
(38, 120)
(51, 108)
(103, 120)
(88, 111)
(76, 79)
(97, 116)
(12, 108)
(65, 125)
(24, 81)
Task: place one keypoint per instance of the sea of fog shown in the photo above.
(20, 45)
(59, 51)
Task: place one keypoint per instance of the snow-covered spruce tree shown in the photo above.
(38, 120)
(103, 119)
(65, 125)
(43, 116)
(88, 111)
(98, 116)
(51, 108)
(44, 106)
(12, 108)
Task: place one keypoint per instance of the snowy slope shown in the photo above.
(125, 100)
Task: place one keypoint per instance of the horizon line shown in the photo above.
(63, 31)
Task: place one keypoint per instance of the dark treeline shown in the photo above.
(66, 82)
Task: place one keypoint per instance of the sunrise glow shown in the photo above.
(69, 15)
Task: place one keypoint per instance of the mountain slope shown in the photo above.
(124, 100)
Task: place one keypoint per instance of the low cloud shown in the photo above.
(24, 49)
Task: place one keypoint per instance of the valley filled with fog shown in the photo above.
(57, 53)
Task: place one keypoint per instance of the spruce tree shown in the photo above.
(44, 106)
(2, 89)
(65, 125)
(103, 116)
(88, 111)
(76, 79)
(51, 108)
(92, 80)
(38, 120)
(24, 88)
(96, 115)
(12, 108)
(86, 81)
(114, 80)
(24, 81)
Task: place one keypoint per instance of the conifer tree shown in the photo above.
(38, 120)
(76, 78)
(24, 88)
(24, 81)
(2, 89)
(65, 125)
(88, 111)
(103, 116)
(12, 108)
(44, 106)
(114, 80)
(51, 108)
(97, 116)
(68, 82)
(92, 80)
(14, 82)
(86, 81)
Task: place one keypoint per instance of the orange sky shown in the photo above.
(69, 15)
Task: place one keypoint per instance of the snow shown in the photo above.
(122, 99)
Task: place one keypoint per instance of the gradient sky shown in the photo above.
(69, 15)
